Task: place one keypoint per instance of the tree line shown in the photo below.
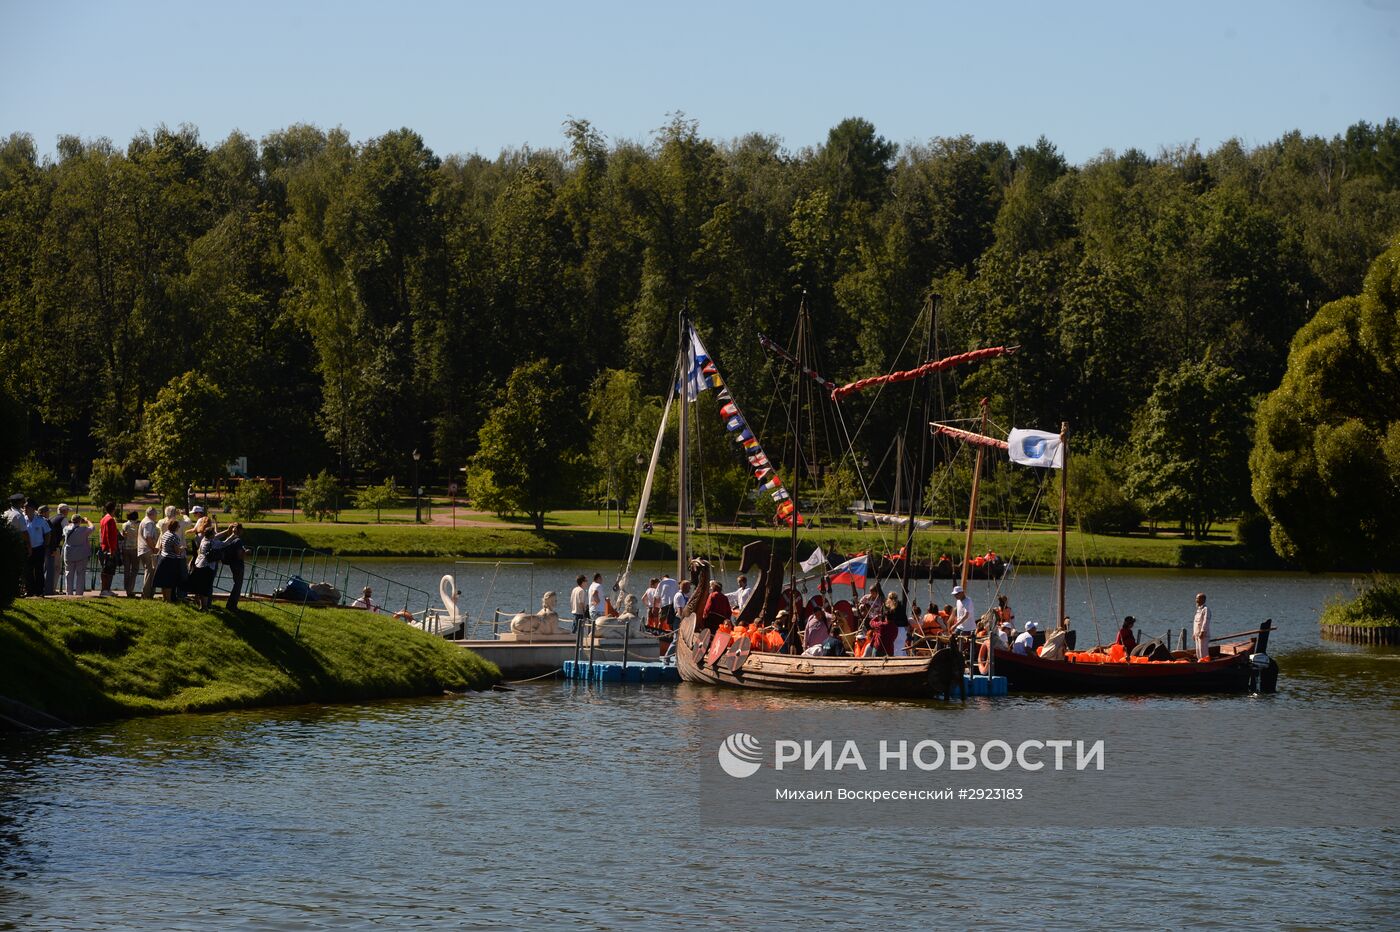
(315, 303)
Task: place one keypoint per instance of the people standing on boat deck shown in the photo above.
(1025, 641)
(815, 633)
(130, 532)
(964, 615)
(595, 596)
(651, 603)
(1126, 638)
(54, 566)
(366, 601)
(666, 598)
(717, 608)
(896, 618)
(578, 601)
(36, 535)
(77, 548)
(741, 595)
(1200, 627)
(148, 551)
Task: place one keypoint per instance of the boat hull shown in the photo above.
(1227, 674)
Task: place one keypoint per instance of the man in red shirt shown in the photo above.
(109, 543)
(717, 608)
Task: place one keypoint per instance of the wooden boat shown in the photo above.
(926, 676)
(1228, 670)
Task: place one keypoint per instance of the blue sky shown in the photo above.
(478, 77)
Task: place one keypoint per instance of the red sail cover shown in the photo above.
(928, 368)
(967, 436)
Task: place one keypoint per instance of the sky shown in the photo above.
(482, 77)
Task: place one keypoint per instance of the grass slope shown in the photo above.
(1376, 606)
(107, 658)
(1036, 547)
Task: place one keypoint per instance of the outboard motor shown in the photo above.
(1263, 673)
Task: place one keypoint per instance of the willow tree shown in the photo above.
(1326, 459)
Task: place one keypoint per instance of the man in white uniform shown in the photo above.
(1200, 627)
(1025, 643)
(739, 596)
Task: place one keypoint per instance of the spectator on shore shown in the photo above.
(14, 515)
(171, 571)
(77, 549)
(206, 566)
(131, 564)
(235, 550)
(36, 535)
(148, 551)
(53, 563)
(109, 545)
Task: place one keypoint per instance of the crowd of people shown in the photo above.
(176, 553)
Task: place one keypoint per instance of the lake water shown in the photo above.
(560, 803)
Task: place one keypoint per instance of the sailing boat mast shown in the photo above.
(1064, 498)
(682, 486)
(797, 447)
(916, 488)
(972, 508)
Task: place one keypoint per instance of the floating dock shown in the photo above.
(612, 671)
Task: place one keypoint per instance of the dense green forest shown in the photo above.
(315, 303)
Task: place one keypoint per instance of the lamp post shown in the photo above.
(417, 492)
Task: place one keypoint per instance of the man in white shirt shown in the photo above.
(964, 615)
(678, 601)
(578, 602)
(148, 551)
(595, 596)
(366, 601)
(14, 515)
(1200, 627)
(666, 596)
(739, 596)
(1025, 642)
(651, 603)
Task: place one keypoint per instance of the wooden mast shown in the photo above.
(797, 458)
(916, 487)
(972, 508)
(687, 362)
(1064, 499)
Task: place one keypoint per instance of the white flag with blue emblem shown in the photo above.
(1036, 448)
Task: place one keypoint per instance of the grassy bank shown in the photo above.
(583, 542)
(1375, 606)
(109, 658)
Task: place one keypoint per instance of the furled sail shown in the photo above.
(928, 368)
(967, 436)
(645, 498)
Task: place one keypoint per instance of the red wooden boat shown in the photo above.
(1230, 668)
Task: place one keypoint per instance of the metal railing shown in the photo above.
(277, 565)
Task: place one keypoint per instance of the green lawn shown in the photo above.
(106, 658)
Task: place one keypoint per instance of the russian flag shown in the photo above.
(853, 571)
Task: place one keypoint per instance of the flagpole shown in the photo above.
(687, 362)
(797, 452)
(1064, 499)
